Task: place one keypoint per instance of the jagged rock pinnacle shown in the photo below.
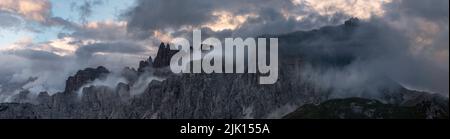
(163, 56)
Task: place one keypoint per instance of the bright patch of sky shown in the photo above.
(10, 36)
(108, 10)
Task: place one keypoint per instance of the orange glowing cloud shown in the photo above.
(362, 9)
(226, 20)
(36, 10)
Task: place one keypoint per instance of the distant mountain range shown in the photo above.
(152, 92)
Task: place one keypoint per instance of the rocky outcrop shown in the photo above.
(83, 77)
(145, 65)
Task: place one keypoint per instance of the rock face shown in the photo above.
(208, 96)
(223, 96)
(83, 77)
(43, 97)
(123, 91)
(22, 97)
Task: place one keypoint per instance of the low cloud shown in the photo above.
(120, 47)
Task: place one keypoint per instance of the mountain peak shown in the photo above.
(82, 77)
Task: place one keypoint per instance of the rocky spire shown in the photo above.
(163, 56)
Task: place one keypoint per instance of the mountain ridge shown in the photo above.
(206, 96)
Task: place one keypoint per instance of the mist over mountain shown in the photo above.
(152, 91)
(84, 59)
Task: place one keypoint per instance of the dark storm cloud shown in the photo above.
(160, 14)
(275, 23)
(151, 15)
(429, 9)
(156, 14)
